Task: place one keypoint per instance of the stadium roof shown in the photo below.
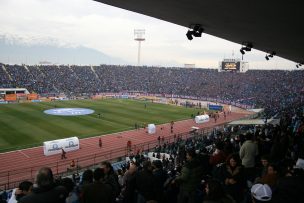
(269, 25)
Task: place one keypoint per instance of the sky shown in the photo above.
(73, 23)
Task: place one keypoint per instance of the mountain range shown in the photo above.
(20, 50)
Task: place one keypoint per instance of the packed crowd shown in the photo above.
(261, 164)
(273, 90)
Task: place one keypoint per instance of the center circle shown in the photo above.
(69, 111)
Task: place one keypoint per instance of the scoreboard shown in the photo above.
(230, 66)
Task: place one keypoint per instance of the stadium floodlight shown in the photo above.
(198, 33)
(242, 51)
(267, 57)
(299, 65)
(139, 36)
(196, 27)
(195, 30)
(189, 35)
(246, 47)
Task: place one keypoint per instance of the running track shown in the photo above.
(23, 164)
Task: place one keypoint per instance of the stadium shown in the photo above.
(153, 134)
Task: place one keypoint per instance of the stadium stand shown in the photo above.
(273, 90)
(189, 173)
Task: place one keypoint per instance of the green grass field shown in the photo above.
(25, 125)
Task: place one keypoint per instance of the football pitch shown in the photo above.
(26, 125)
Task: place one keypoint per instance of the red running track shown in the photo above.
(22, 164)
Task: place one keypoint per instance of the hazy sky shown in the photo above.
(111, 31)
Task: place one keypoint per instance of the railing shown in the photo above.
(11, 179)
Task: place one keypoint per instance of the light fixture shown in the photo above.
(272, 54)
(267, 57)
(195, 30)
(246, 47)
(189, 35)
(299, 64)
(242, 51)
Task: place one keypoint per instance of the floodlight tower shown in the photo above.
(139, 35)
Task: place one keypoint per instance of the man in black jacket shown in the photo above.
(98, 191)
(45, 189)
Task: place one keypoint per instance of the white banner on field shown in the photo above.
(201, 119)
(55, 146)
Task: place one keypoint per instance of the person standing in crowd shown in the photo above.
(160, 178)
(190, 178)
(248, 153)
(45, 190)
(98, 191)
(111, 178)
(146, 184)
(129, 184)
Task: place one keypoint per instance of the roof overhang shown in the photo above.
(269, 25)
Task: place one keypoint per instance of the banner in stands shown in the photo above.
(10, 97)
(55, 146)
(201, 119)
(32, 96)
(215, 107)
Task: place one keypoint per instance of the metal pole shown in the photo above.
(8, 179)
(138, 54)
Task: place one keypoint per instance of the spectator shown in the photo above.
(261, 193)
(146, 184)
(45, 189)
(111, 178)
(233, 178)
(98, 191)
(215, 193)
(24, 189)
(271, 177)
(128, 190)
(248, 153)
(160, 177)
(218, 156)
(70, 187)
(190, 178)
